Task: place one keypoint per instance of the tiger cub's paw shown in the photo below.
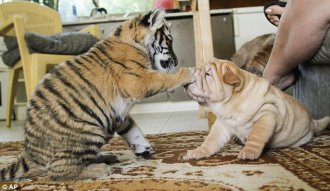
(186, 75)
(143, 150)
(96, 171)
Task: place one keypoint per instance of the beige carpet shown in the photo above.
(303, 168)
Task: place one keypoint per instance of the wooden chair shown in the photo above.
(16, 19)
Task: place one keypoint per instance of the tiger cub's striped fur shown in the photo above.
(83, 102)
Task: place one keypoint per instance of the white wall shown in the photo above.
(249, 23)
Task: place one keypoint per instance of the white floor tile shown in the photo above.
(151, 123)
(185, 121)
(15, 133)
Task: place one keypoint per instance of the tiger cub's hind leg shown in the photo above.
(107, 158)
(95, 170)
(63, 169)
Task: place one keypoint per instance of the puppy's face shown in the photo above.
(216, 82)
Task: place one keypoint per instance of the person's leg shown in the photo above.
(301, 31)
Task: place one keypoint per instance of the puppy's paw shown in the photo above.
(198, 153)
(249, 154)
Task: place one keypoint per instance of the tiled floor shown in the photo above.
(150, 123)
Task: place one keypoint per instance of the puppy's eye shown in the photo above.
(208, 73)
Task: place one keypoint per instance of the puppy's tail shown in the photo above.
(321, 124)
(15, 169)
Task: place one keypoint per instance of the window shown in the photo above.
(70, 9)
(126, 6)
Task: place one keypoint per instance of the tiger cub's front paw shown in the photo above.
(143, 150)
(186, 76)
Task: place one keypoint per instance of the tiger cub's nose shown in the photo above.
(165, 63)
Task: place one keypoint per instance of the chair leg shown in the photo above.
(12, 86)
(37, 72)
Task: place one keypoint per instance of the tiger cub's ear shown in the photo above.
(154, 19)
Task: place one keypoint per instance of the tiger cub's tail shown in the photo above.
(15, 169)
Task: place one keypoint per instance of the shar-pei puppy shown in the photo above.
(248, 107)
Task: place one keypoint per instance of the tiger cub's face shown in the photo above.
(152, 33)
(161, 50)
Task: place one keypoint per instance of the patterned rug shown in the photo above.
(303, 168)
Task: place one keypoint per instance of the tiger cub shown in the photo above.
(79, 106)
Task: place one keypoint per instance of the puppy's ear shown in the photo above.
(229, 77)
